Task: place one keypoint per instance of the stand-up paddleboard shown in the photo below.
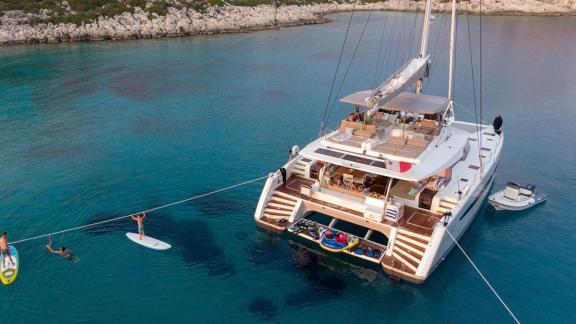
(148, 242)
(9, 271)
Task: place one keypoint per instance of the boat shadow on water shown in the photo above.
(192, 238)
(493, 216)
(327, 277)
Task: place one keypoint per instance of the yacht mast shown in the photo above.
(425, 34)
(452, 58)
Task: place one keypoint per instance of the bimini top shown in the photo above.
(405, 101)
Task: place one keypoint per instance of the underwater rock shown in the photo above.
(263, 308)
(193, 238)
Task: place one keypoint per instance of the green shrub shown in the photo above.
(216, 2)
(159, 7)
(137, 3)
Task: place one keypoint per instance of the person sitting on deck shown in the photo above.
(336, 181)
(355, 117)
(356, 187)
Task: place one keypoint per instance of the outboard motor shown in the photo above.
(498, 121)
(294, 151)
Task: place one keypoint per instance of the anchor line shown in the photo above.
(484, 278)
(236, 186)
(144, 211)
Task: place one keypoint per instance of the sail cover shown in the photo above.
(404, 101)
(406, 76)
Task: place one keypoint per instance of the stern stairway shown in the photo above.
(408, 250)
(278, 210)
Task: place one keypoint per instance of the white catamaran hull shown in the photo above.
(463, 220)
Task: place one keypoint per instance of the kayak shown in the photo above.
(330, 244)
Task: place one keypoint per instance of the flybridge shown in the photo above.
(447, 149)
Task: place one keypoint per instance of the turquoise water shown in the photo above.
(89, 131)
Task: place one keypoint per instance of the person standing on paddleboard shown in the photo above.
(5, 250)
(140, 220)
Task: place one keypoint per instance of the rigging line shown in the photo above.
(472, 65)
(323, 122)
(480, 85)
(477, 120)
(144, 211)
(436, 51)
(468, 111)
(477, 117)
(379, 59)
(483, 277)
(403, 41)
(412, 36)
(387, 51)
(350, 63)
(390, 63)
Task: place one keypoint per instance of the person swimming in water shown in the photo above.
(140, 220)
(4, 249)
(63, 251)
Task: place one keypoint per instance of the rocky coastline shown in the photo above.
(16, 27)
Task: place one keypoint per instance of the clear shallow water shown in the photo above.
(89, 131)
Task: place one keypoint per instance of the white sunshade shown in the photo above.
(405, 101)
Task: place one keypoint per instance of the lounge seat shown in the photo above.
(360, 129)
(410, 152)
(391, 146)
(353, 141)
(417, 142)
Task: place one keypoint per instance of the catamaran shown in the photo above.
(400, 166)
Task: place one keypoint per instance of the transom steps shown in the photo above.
(299, 167)
(278, 210)
(446, 205)
(409, 248)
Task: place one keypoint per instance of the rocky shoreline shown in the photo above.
(15, 27)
